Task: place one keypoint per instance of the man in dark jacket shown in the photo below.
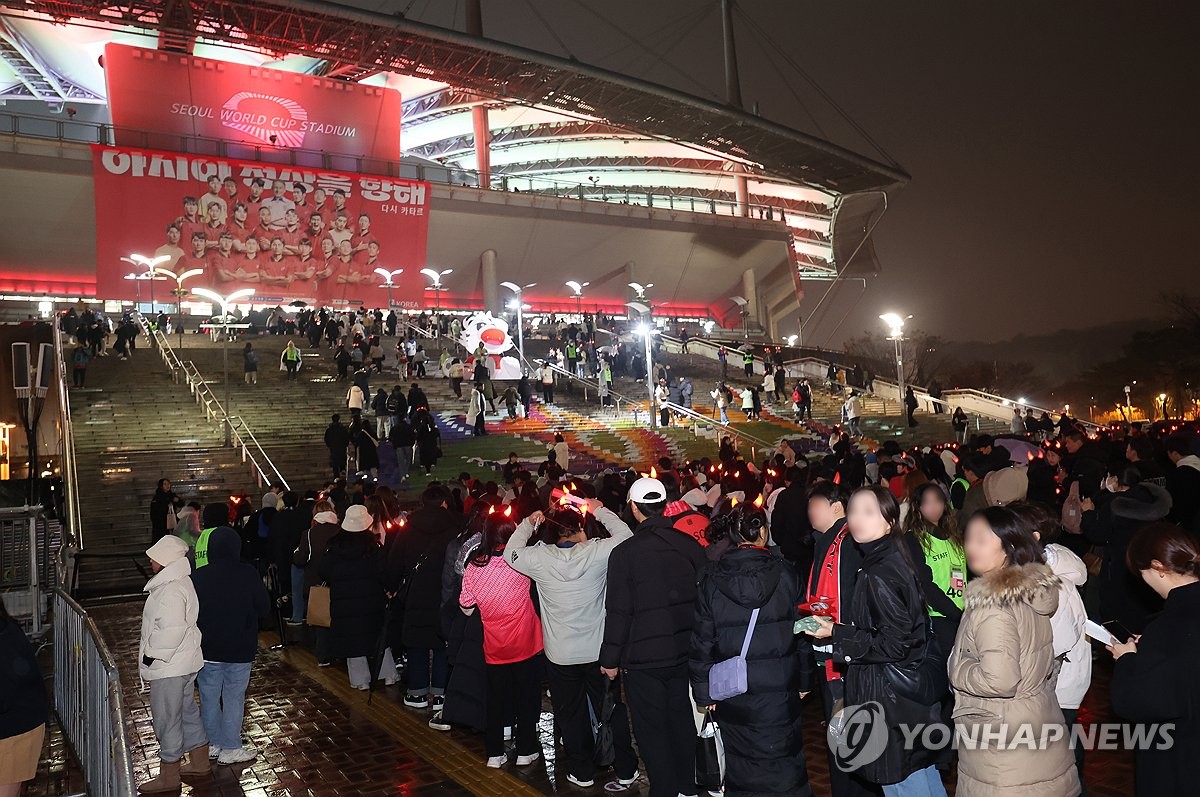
(650, 607)
(414, 574)
(417, 398)
(287, 527)
(790, 529)
(337, 439)
(232, 599)
(1183, 483)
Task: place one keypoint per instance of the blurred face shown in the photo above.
(864, 519)
(983, 548)
(822, 514)
(933, 506)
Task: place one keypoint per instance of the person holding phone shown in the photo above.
(1003, 665)
(1153, 677)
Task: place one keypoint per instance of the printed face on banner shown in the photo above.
(286, 232)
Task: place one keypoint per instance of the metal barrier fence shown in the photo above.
(28, 542)
(88, 700)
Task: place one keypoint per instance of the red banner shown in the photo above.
(286, 232)
(162, 92)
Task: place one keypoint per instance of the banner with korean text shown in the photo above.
(288, 233)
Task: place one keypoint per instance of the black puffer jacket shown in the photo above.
(353, 568)
(651, 598)
(888, 623)
(1114, 521)
(422, 542)
(761, 728)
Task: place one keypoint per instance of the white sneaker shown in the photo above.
(496, 761)
(214, 752)
(580, 782)
(437, 723)
(526, 760)
(238, 756)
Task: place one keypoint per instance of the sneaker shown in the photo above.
(496, 761)
(324, 663)
(621, 784)
(213, 752)
(437, 701)
(437, 723)
(580, 782)
(238, 756)
(416, 701)
(526, 760)
(295, 623)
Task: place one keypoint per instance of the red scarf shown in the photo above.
(829, 587)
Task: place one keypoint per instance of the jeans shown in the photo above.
(577, 691)
(661, 704)
(175, 718)
(223, 701)
(922, 783)
(421, 678)
(299, 596)
(359, 670)
(514, 689)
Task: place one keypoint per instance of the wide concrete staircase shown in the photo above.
(133, 426)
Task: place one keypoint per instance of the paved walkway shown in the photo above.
(321, 737)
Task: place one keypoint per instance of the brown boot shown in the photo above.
(198, 762)
(167, 779)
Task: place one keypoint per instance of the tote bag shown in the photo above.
(318, 606)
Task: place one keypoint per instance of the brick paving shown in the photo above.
(321, 737)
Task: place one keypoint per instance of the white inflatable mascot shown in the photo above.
(492, 332)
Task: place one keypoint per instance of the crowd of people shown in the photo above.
(945, 586)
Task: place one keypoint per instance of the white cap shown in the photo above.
(647, 491)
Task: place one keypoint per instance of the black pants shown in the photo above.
(514, 690)
(572, 688)
(664, 417)
(842, 784)
(1071, 719)
(547, 393)
(661, 705)
(78, 376)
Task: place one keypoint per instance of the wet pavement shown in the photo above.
(319, 736)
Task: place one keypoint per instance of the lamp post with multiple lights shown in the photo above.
(389, 281)
(577, 292)
(150, 271)
(435, 278)
(518, 303)
(646, 328)
(179, 292)
(225, 302)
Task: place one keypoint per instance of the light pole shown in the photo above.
(30, 383)
(577, 292)
(1162, 400)
(436, 287)
(225, 302)
(149, 266)
(741, 303)
(895, 324)
(640, 290)
(519, 303)
(645, 328)
(389, 278)
(1128, 405)
(179, 292)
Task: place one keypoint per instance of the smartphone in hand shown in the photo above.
(1119, 631)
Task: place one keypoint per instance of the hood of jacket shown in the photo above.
(224, 546)
(1034, 583)
(1065, 564)
(747, 576)
(1190, 461)
(178, 569)
(1142, 502)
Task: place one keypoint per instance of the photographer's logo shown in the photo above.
(271, 120)
(857, 735)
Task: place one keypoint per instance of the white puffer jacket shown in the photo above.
(169, 632)
(1067, 623)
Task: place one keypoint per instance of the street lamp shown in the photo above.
(1128, 405)
(389, 278)
(225, 302)
(645, 329)
(519, 305)
(436, 287)
(1162, 400)
(150, 267)
(179, 292)
(895, 324)
(741, 302)
(577, 291)
(640, 290)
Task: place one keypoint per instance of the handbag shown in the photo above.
(924, 680)
(727, 678)
(710, 754)
(171, 517)
(602, 729)
(318, 606)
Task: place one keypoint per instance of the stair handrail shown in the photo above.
(67, 442)
(587, 383)
(214, 410)
(730, 429)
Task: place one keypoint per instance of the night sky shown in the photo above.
(1052, 145)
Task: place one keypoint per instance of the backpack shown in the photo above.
(796, 395)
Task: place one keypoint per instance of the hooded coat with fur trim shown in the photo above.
(1003, 673)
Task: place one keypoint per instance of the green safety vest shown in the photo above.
(292, 354)
(202, 547)
(948, 563)
(747, 358)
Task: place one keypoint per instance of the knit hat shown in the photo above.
(1005, 486)
(167, 550)
(270, 501)
(213, 515)
(357, 519)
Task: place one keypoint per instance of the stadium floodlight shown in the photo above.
(389, 280)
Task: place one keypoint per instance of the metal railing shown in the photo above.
(88, 701)
(67, 442)
(588, 384)
(14, 124)
(698, 418)
(28, 563)
(264, 469)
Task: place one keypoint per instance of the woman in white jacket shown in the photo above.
(169, 657)
(1071, 645)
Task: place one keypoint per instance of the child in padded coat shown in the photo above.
(169, 657)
